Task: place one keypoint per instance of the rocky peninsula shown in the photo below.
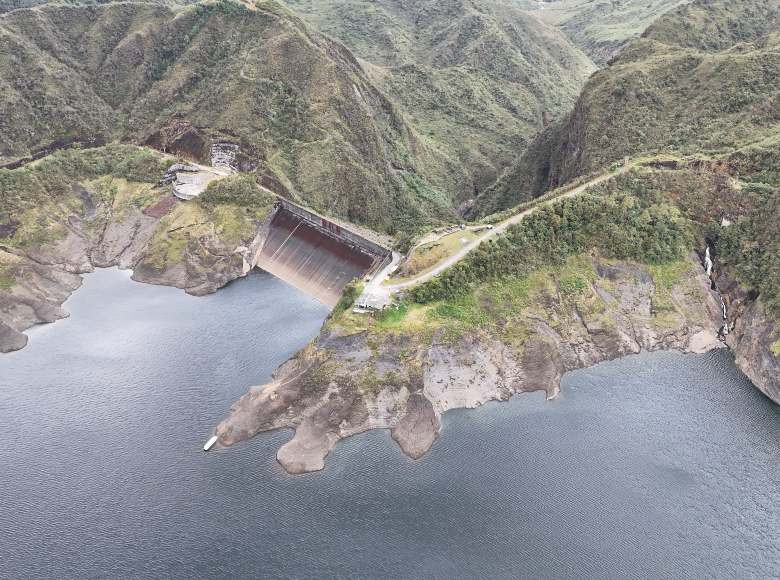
(357, 376)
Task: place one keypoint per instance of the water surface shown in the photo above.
(653, 466)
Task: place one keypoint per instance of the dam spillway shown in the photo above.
(314, 254)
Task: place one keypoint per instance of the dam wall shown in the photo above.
(345, 235)
(314, 254)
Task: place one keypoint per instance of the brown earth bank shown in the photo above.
(347, 381)
(45, 276)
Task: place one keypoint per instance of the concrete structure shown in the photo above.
(376, 295)
(315, 254)
(329, 227)
(189, 180)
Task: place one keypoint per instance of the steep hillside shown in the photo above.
(695, 104)
(602, 27)
(8, 5)
(76, 210)
(299, 104)
(702, 80)
(478, 78)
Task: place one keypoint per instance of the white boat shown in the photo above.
(210, 443)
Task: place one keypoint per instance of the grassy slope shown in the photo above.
(427, 256)
(295, 100)
(702, 80)
(602, 27)
(477, 79)
(623, 226)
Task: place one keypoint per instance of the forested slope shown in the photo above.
(479, 79)
(298, 103)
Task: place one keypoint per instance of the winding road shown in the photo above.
(377, 294)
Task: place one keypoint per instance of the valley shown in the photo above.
(586, 197)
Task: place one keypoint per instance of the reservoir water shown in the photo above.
(659, 465)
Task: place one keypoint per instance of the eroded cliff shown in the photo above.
(405, 368)
(71, 221)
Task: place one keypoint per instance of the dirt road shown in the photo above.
(498, 229)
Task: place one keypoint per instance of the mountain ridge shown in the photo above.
(679, 90)
(478, 78)
(297, 102)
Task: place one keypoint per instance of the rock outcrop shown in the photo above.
(753, 331)
(347, 382)
(46, 275)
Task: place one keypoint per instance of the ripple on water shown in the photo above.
(657, 465)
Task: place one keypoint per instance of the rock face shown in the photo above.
(35, 300)
(752, 334)
(45, 276)
(347, 382)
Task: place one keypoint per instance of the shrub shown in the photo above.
(50, 179)
(350, 293)
(620, 226)
(241, 189)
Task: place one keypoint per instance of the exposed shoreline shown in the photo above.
(323, 394)
(345, 383)
(46, 276)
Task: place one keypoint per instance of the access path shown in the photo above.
(377, 294)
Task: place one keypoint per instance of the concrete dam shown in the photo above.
(315, 254)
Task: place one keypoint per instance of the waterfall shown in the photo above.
(725, 328)
(708, 262)
(708, 266)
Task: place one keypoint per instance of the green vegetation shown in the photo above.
(447, 96)
(426, 256)
(37, 199)
(696, 97)
(106, 183)
(545, 269)
(776, 348)
(350, 293)
(49, 180)
(645, 229)
(393, 316)
(7, 273)
(509, 308)
(182, 229)
(240, 190)
(752, 245)
(572, 286)
(602, 27)
(476, 80)
(181, 76)
(701, 81)
(464, 310)
(669, 275)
